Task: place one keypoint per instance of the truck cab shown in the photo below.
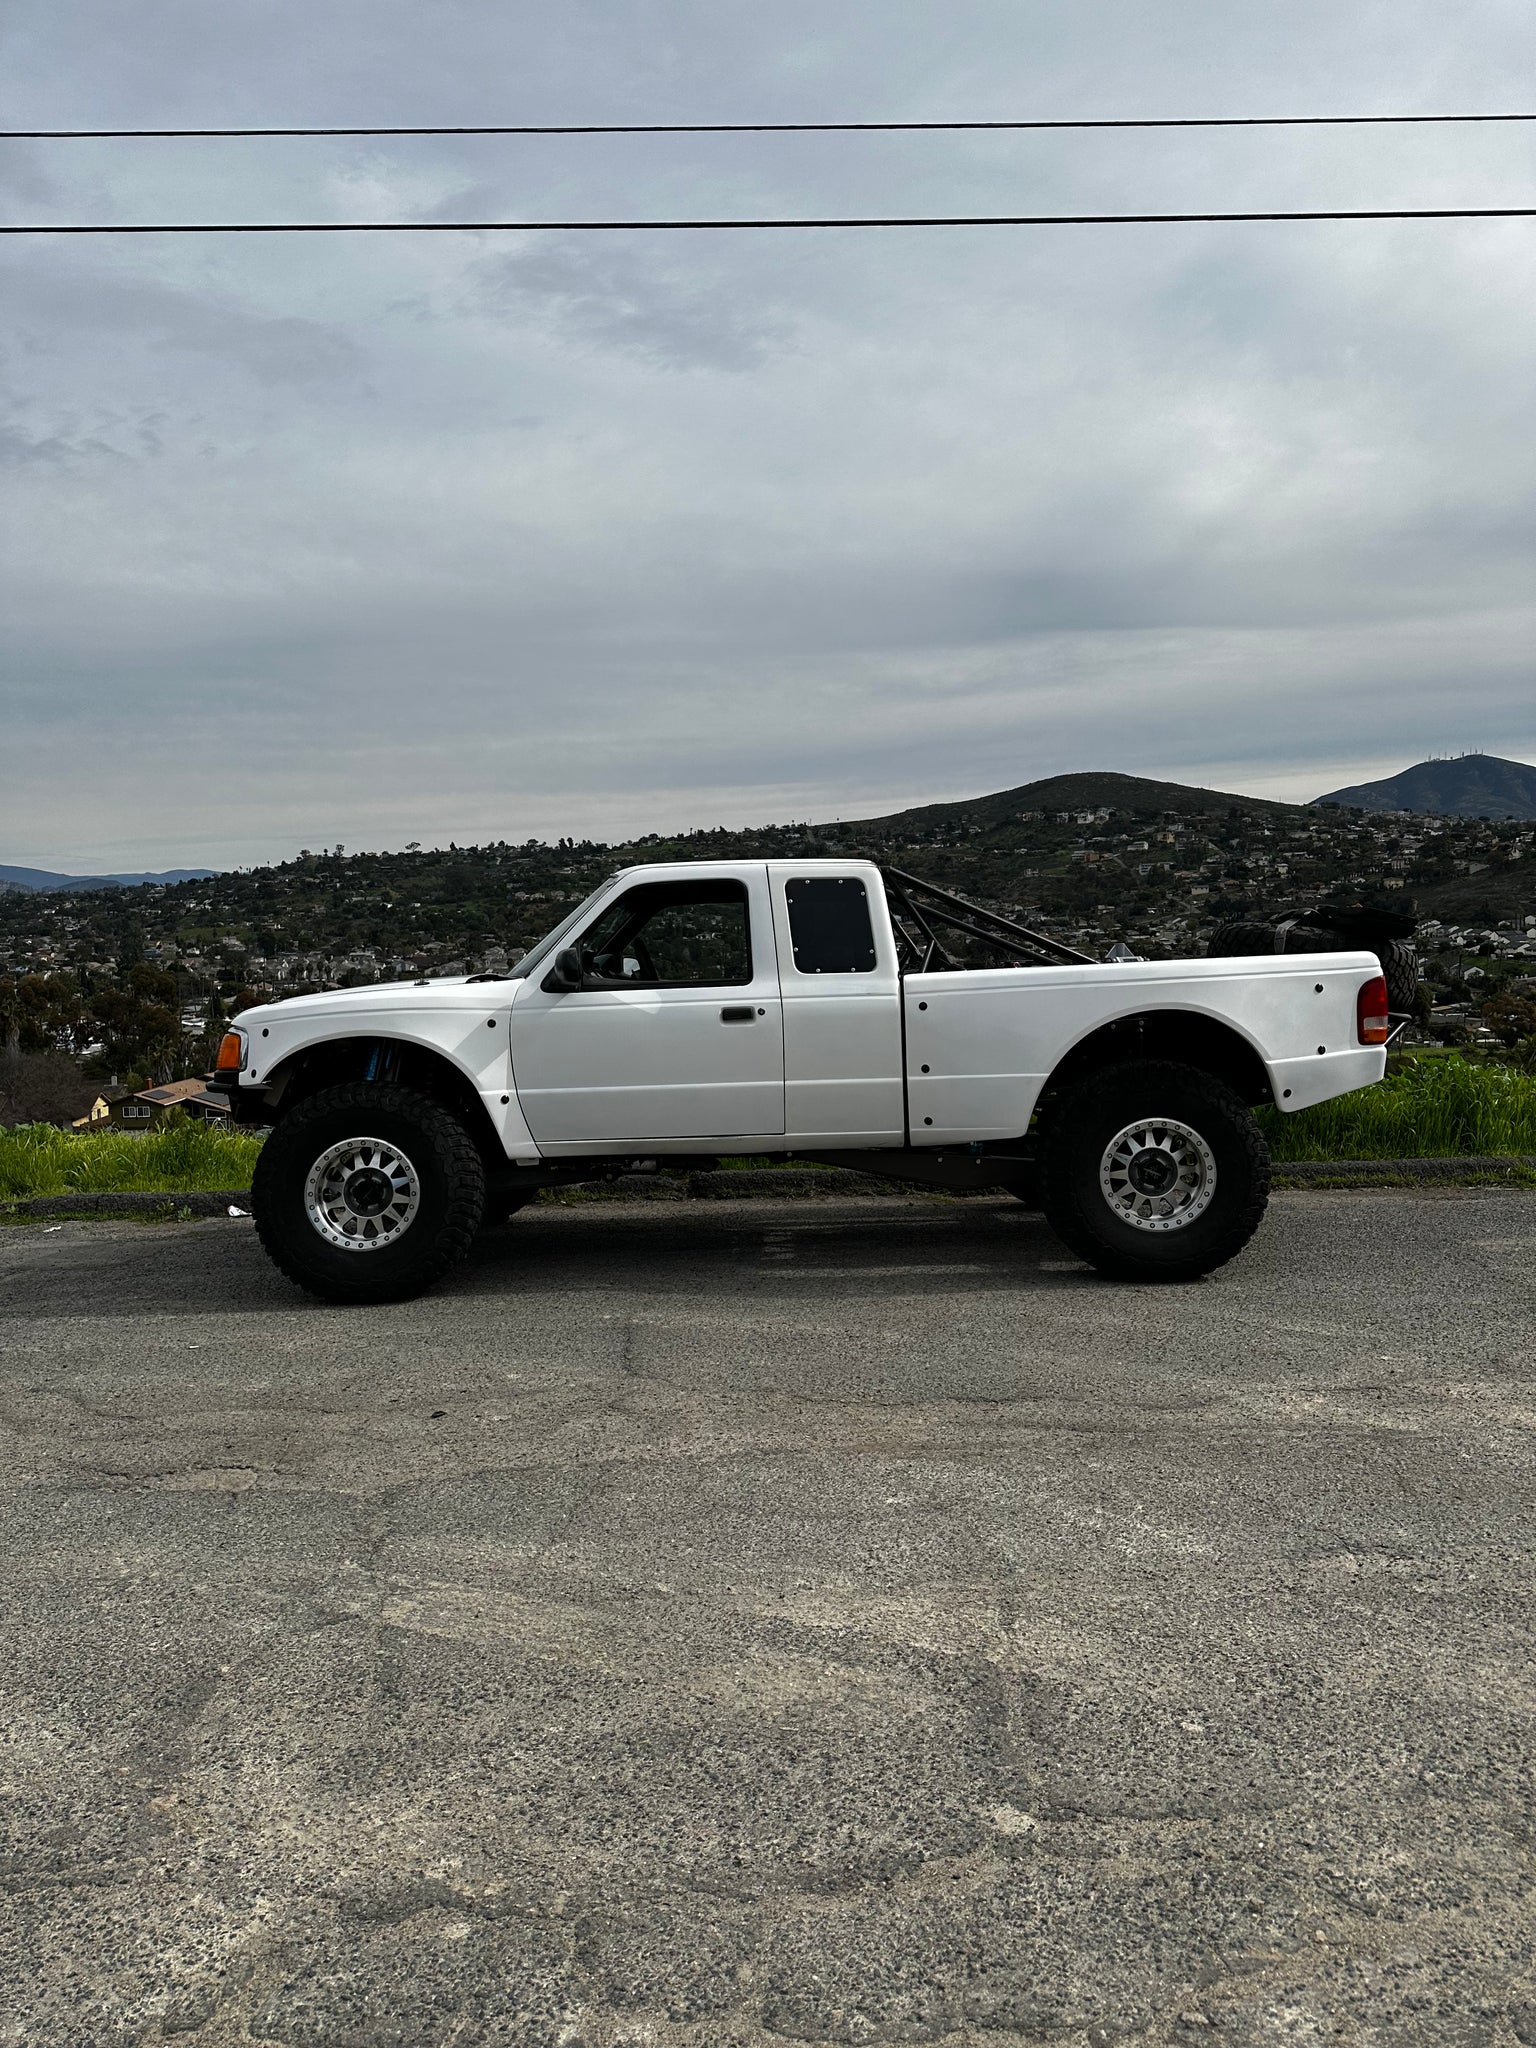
(747, 1005)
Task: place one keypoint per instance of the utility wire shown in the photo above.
(765, 127)
(572, 227)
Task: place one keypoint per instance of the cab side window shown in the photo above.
(671, 935)
(829, 925)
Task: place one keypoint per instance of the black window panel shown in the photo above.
(671, 935)
(829, 925)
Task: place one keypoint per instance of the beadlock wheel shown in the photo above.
(368, 1167)
(362, 1194)
(1158, 1174)
(1152, 1170)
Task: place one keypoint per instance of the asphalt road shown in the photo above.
(744, 1622)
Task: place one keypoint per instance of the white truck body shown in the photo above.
(805, 1061)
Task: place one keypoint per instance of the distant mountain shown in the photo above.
(1471, 786)
(43, 879)
(1093, 790)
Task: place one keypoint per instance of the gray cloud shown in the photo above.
(633, 296)
(26, 186)
(61, 299)
(437, 537)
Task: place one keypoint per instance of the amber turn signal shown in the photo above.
(1375, 1026)
(231, 1053)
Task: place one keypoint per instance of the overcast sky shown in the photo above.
(319, 539)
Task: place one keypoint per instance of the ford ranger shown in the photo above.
(829, 1010)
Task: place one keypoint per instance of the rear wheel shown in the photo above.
(1153, 1171)
(367, 1193)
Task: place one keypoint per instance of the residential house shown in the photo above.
(151, 1105)
(99, 1116)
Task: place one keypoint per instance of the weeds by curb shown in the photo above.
(178, 1206)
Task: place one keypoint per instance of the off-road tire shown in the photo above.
(1077, 1135)
(1400, 965)
(450, 1183)
(1241, 936)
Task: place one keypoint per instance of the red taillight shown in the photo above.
(231, 1053)
(1372, 1022)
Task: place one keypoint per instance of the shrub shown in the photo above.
(1510, 1017)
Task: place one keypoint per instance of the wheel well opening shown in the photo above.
(1194, 1041)
(391, 1060)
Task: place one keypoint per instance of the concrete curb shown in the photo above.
(201, 1202)
(804, 1184)
(1398, 1172)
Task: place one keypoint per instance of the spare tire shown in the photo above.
(1400, 964)
(1241, 935)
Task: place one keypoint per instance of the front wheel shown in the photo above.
(1154, 1171)
(367, 1193)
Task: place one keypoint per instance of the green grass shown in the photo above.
(40, 1159)
(1434, 1107)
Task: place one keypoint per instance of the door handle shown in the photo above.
(737, 1013)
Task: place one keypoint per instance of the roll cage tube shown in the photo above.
(918, 907)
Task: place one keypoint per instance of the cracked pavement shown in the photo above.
(718, 1623)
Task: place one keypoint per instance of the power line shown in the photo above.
(572, 227)
(765, 127)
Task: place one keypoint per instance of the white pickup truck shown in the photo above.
(829, 1010)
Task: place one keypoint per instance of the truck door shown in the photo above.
(677, 1031)
(843, 1076)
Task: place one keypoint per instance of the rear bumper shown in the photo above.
(1319, 1077)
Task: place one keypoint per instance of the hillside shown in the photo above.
(1491, 896)
(1097, 855)
(1471, 786)
(1092, 790)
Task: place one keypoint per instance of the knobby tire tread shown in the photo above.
(1076, 1227)
(1400, 964)
(289, 1146)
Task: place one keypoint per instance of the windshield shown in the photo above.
(552, 941)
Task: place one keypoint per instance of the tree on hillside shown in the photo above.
(139, 1025)
(42, 1013)
(1510, 1017)
(42, 1087)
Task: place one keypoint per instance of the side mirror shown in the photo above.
(565, 976)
